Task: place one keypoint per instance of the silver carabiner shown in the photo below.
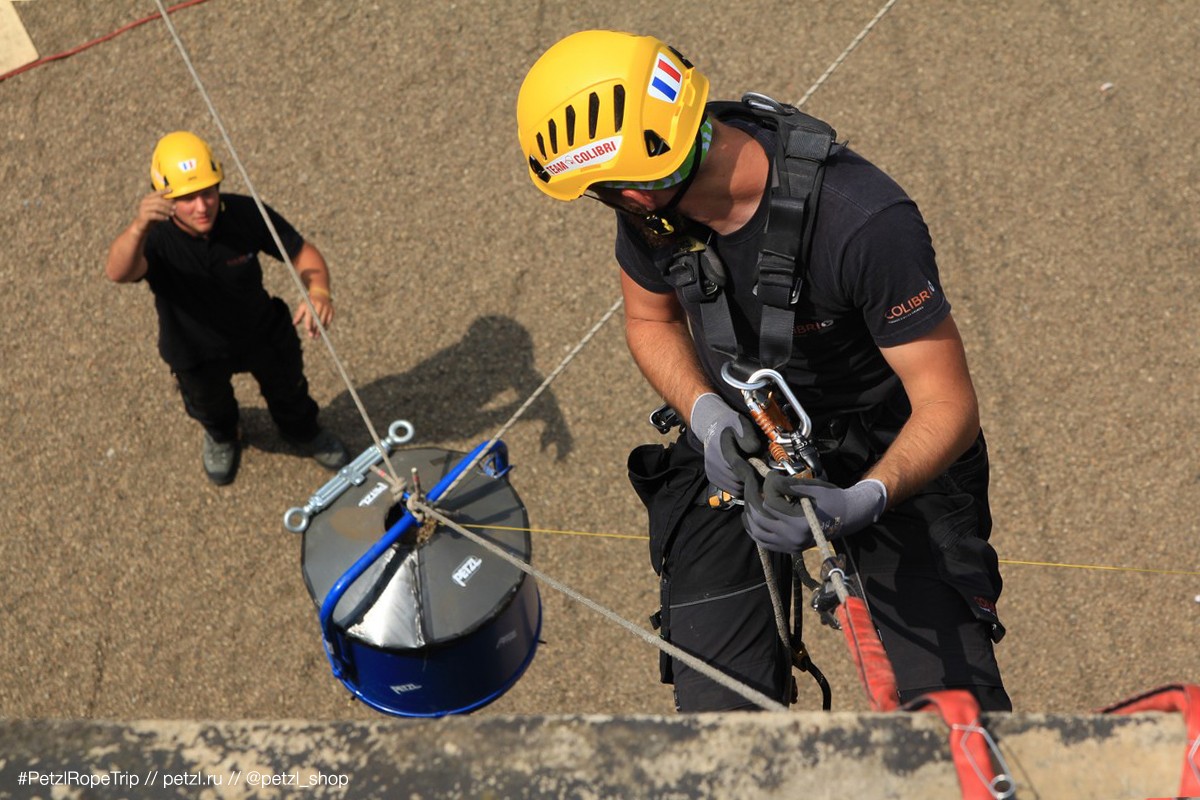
(758, 379)
(764, 103)
(796, 444)
(1001, 786)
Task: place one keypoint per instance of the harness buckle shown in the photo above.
(696, 272)
(664, 418)
(778, 286)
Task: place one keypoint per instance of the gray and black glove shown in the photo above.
(775, 519)
(727, 438)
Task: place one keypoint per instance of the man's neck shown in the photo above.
(731, 183)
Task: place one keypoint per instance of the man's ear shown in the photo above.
(639, 199)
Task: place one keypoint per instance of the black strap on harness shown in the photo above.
(797, 170)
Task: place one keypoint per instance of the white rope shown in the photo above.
(837, 62)
(212, 110)
(484, 452)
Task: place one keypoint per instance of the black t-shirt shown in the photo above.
(209, 290)
(872, 281)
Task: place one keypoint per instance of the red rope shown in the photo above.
(874, 668)
(1176, 697)
(94, 42)
(969, 751)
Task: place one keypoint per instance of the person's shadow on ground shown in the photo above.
(467, 390)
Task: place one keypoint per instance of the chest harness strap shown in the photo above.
(797, 170)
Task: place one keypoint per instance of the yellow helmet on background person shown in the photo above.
(183, 163)
(608, 106)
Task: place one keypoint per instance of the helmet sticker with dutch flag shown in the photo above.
(666, 79)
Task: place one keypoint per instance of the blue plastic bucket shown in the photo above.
(424, 623)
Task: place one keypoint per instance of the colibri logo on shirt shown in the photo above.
(912, 305)
(811, 326)
(237, 261)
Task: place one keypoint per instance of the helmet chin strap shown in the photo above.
(659, 220)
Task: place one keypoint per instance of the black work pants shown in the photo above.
(277, 364)
(715, 602)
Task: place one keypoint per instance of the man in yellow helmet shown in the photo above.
(747, 238)
(198, 250)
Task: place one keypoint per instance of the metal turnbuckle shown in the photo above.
(296, 519)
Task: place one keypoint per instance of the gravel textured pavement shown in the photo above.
(1051, 147)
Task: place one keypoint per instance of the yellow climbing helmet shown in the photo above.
(184, 163)
(608, 106)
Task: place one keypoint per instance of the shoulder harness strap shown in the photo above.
(797, 170)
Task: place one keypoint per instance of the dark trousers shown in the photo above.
(715, 602)
(277, 364)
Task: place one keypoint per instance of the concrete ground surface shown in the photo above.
(1051, 147)
(675, 757)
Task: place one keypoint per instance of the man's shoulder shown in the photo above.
(849, 177)
(238, 205)
(858, 182)
(239, 220)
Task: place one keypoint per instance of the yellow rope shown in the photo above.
(1100, 566)
(1012, 562)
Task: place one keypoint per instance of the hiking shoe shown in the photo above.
(327, 450)
(220, 460)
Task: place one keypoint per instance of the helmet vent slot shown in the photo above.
(570, 126)
(541, 146)
(618, 107)
(686, 64)
(539, 170)
(655, 145)
(553, 129)
(593, 114)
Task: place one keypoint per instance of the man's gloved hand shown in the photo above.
(775, 519)
(727, 438)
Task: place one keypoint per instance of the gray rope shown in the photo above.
(710, 672)
(781, 623)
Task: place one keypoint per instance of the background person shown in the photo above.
(198, 251)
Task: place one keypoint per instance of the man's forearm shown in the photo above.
(930, 441)
(666, 355)
(126, 260)
(313, 271)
